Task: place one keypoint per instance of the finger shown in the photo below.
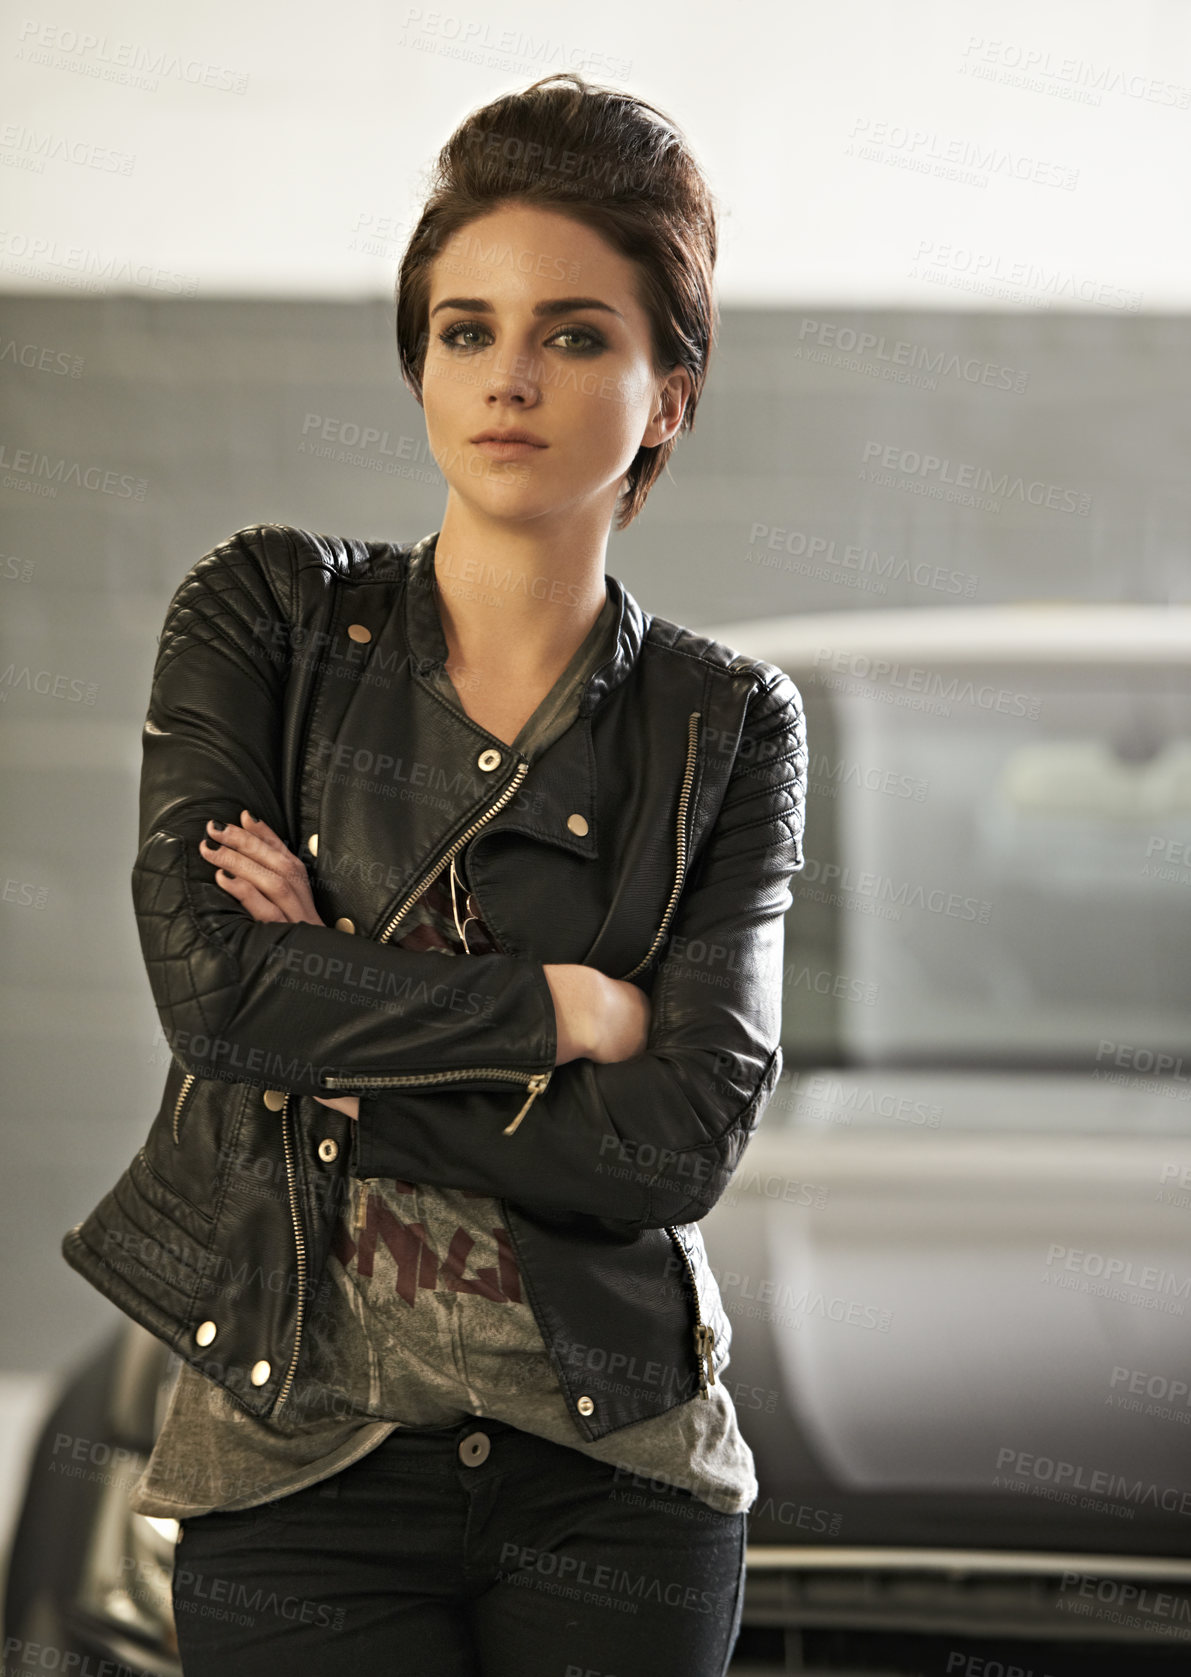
(274, 873)
(262, 830)
(239, 838)
(271, 852)
(248, 896)
(252, 883)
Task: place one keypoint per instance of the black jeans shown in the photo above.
(475, 1550)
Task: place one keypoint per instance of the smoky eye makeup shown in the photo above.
(591, 341)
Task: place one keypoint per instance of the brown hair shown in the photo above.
(612, 162)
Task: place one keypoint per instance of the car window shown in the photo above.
(998, 872)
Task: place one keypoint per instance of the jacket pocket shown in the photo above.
(179, 1086)
(187, 1148)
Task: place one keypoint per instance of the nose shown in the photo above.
(515, 385)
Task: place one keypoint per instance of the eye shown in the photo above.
(585, 340)
(592, 340)
(452, 335)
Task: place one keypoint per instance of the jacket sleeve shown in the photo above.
(654, 1139)
(278, 1005)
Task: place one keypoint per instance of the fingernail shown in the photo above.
(216, 826)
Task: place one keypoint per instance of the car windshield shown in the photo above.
(998, 872)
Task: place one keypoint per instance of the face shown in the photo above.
(534, 324)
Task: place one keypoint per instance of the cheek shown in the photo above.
(449, 377)
(617, 411)
(442, 399)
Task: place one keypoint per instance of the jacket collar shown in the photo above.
(428, 646)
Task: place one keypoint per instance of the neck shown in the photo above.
(517, 600)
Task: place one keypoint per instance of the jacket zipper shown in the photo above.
(680, 869)
(704, 1334)
(300, 1247)
(522, 771)
(182, 1094)
(536, 1081)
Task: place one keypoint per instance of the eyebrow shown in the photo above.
(555, 305)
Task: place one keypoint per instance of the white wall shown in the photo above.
(1025, 153)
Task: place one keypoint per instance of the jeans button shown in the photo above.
(474, 1449)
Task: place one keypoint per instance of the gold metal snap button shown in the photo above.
(585, 1406)
(577, 824)
(312, 844)
(488, 760)
(359, 632)
(345, 925)
(474, 1449)
(205, 1332)
(274, 1099)
(260, 1372)
(328, 1150)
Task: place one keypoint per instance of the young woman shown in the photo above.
(448, 1390)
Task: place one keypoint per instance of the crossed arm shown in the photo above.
(598, 1018)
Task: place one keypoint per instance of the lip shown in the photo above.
(512, 435)
(508, 443)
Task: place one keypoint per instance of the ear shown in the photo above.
(669, 407)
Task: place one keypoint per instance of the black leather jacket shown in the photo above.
(654, 840)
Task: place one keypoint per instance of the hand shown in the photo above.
(257, 868)
(343, 1103)
(266, 878)
(598, 1018)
